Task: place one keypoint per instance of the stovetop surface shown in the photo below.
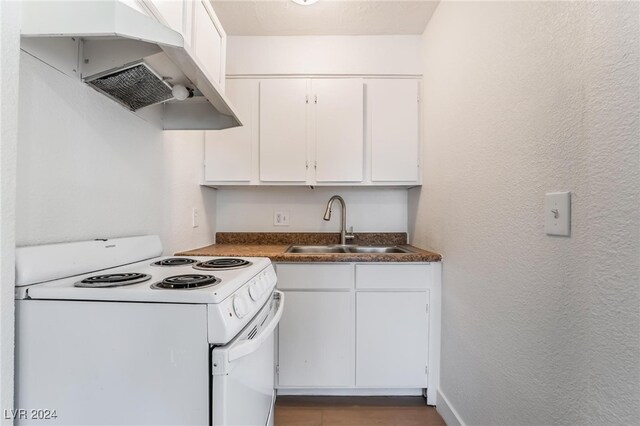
(228, 281)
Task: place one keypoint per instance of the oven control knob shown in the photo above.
(255, 290)
(240, 306)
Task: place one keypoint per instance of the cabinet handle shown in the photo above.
(315, 101)
(306, 99)
(306, 165)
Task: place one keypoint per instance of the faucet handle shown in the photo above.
(349, 235)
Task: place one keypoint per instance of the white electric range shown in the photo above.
(109, 332)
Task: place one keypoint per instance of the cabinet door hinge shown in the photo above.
(426, 369)
(277, 369)
(427, 308)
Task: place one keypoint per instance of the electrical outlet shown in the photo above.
(281, 218)
(195, 218)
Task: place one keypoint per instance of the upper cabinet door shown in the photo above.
(393, 108)
(209, 41)
(171, 11)
(339, 122)
(229, 152)
(283, 130)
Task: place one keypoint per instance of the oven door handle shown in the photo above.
(247, 347)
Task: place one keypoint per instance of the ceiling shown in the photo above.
(326, 17)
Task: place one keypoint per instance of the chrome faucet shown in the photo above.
(343, 220)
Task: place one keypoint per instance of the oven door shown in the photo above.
(243, 371)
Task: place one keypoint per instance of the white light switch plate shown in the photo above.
(557, 213)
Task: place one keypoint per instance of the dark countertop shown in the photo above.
(273, 246)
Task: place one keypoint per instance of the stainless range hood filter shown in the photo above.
(135, 86)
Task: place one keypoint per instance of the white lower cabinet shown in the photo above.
(391, 339)
(359, 329)
(316, 340)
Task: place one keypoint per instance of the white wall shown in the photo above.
(250, 55)
(9, 42)
(87, 168)
(523, 98)
(181, 193)
(368, 210)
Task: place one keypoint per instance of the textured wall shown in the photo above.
(87, 168)
(368, 209)
(9, 42)
(523, 98)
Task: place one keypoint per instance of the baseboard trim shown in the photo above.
(348, 391)
(446, 410)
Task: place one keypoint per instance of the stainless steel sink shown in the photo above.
(347, 249)
(316, 249)
(377, 249)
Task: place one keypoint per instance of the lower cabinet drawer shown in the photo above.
(394, 277)
(306, 276)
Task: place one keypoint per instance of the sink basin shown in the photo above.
(349, 249)
(316, 249)
(377, 249)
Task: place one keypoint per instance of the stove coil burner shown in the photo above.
(186, 282)
(113, 280)
(174, 261)
(222, 264)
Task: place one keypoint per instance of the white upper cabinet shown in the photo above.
(203, 34)
(209, 41)
(320, 131)
(229, 153)
(394, 125)
(172, 12)
(283, 130)
(311, 130)
(339, 140)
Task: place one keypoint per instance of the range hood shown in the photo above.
(129, 57)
